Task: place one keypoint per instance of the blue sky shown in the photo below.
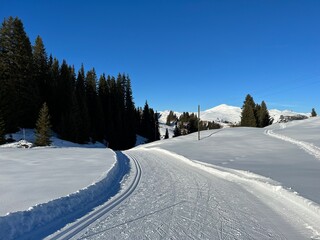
(181, 53)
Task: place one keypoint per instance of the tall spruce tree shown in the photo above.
(130, 125)
(19, 97)
(264, 118)
(43, 126)
(248, 118)
(2, 130)
(41, 68)
(177, 131)
(149, 124)
(80, 94)
(53, 98)
(93, 105)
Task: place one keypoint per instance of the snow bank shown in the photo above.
(43, 219)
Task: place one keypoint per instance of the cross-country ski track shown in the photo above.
(75, 228)
(235, 183)
(176, 198)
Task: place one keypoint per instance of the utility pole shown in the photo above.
(198, 122)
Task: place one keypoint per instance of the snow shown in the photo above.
(34, 176)
(235, 183)
(42, 184)
(222, 113)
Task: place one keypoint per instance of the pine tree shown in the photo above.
(146, 122)
(156, 126)
(43, 126)
(93, 105)
(264, 118)
(176, 132)
(313, 113)
(248, 118)
(80, 94)
(166, 136)
(171, 118)
(41, 68)
(130, 125)
(19, 97)
(2, 130)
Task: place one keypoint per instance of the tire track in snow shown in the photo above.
(83, 223)
(307, 147)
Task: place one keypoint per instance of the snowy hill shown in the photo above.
(231, 114)
(222, 113)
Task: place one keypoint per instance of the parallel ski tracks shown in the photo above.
(95, 215)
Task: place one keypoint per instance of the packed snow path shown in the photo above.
(180, 199)
(308, 147)
(90, 218)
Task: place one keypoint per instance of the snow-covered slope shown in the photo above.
(235, 183)
(222, 113)
(275, 114)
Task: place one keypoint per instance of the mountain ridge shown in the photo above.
(224, 113)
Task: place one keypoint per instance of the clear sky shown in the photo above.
(181, 53)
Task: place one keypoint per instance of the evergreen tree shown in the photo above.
(53, 96)
(2, 130)
(248, 118)
(150, 124)
(176, 132)
(156, 126)
(103, 96)
(313, 113)
(19, 97)
(146, 122)
(166, 136)
(83, 120)
(41, 68)
(94, 107)
(264, 118)
(43, 126)
(130, 125)
(171, 118)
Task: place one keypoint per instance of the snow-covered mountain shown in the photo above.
(222, 113)
(225, 113)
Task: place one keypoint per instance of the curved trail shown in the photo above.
(176, 200)
(73, 229)
(308, 147)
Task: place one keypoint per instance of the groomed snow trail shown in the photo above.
(175, 199)
(308, 147)
(76, 228)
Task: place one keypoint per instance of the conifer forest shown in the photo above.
(83, 107)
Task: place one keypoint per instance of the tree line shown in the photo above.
(188, 123)
(83, 107)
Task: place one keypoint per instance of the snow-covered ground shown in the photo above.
(42, 184)
(38, 175)
(235, 183)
